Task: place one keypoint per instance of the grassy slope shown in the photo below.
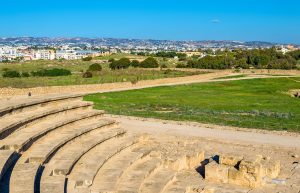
(105, 76)
(234, 76)
(77, 67)
(257, 103)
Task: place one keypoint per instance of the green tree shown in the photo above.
(149, 63)
(25, 74)
(51, 72)
(123, 63)
(11, 74)
(135, 63)
(95, 68)
(87, 75)
(86, 59)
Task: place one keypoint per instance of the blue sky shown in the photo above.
(265, 20)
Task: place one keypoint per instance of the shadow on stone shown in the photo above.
(5, 181)
(201, 168)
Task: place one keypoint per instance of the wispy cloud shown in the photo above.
(215, 21)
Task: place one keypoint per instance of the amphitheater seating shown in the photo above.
(59, 144)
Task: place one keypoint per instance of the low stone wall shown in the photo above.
(252, 172)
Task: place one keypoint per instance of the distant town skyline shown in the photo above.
(277, 22)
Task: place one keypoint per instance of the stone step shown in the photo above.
(183, 181)
(11, 123)
(20, 104)
(30, 162)
(23, 178)
(41, 150)
(7, 157)
(20, 140)
(133, 177)
(53, 184)
(85, 170)
(64, 160)
(108, 175)
(157, 181)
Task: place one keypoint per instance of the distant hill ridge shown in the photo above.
(135, 42)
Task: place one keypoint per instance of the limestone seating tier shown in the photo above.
(21, 139)
(133, 177)
(23, 177)
(109, 174)
(182, 181)
(13, 122)
(41, 151)
(44, 147)
(7, 157)
(157, 181)
(86, 169)
(15, 105)
(64, 160)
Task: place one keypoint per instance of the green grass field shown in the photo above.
(77, 67)
(105, 76)
(257, 103)
(230, 77)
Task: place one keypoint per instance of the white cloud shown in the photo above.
(216, 21)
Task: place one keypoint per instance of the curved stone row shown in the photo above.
(59, 144)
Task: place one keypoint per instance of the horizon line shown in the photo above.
(172, 40)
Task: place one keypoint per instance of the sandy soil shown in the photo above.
(211, 132)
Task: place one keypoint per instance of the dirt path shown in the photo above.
(121, 86)
(229, 134)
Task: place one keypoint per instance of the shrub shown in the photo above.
(168, 71)
(51, 72)
(181, 65)
(149, 63)
(111, 60)
(11, 74)
(123, 63)
(25, 74)
(135, 63)
(86, 59)
(295, 54)
(87, 75)
(134, 81)
(163, 66)
(95, 67)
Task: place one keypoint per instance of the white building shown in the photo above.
(44, 55)
(8, 53)
(66, 54)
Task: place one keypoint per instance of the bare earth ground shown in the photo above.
(216, 140)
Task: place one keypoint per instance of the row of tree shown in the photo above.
(163, 54)
(39, 73)
(124, 63)
(258, 58)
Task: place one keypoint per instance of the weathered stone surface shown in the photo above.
(216, 172)
(252, 166)
(230, 160)
(243, 179)
(249, 172)
(271, 167)
(193, 161)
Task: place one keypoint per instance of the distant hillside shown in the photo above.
(133, 42)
